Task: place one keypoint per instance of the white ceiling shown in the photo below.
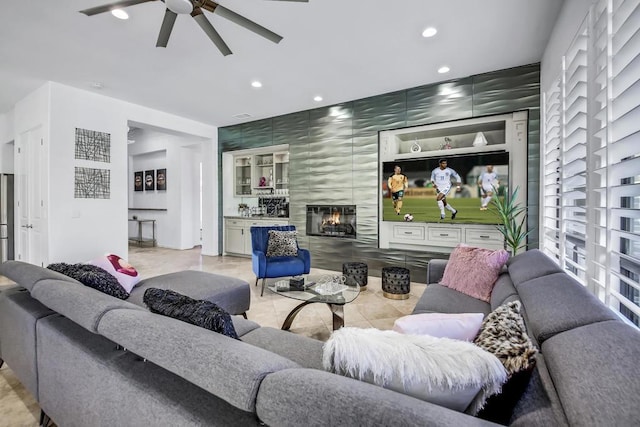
(340, 49)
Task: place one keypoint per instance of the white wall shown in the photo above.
(6, 142)
(572, 15)
(81, 229)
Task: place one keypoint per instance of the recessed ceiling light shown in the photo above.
(429, 32)
(256, 83)
(444, 69)
(317, 98)
(120, 14)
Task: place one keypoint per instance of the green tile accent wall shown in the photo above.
(333, 154)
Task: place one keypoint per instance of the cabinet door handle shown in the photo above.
(242, 231)
(408, 232)
(485, 237)
(443, 235)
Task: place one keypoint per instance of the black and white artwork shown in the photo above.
(93, 145)
(161, 179)
(92, 183)
(149, 180)
(138, 179)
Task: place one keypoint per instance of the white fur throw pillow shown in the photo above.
(450, 373)
(457, 326)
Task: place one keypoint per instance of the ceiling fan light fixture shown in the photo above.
(179, 6)
(120, 14)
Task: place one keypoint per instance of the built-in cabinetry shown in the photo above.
(457, 140)
(261, 173)
(237, 234)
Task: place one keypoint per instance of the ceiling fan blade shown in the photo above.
(247, 23)
(111, 6)
(211, 32)
(165, 29)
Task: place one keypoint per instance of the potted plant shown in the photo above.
(514, 220)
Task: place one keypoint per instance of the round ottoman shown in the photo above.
(395, 282)
(356, 272)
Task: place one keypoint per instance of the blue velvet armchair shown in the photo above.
(279, 266)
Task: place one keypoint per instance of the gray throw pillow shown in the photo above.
(282, 243)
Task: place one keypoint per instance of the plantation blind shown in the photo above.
(574, 156)
(624, 158)
(550, 170)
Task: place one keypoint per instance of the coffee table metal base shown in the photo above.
(337, 310)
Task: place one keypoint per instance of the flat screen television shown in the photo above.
(419, 199)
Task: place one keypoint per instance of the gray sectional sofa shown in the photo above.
(90, 359)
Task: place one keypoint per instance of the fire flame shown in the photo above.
(333, 219)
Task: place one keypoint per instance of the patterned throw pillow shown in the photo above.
(474, 271)
(93, 277)
(504, 335)
(201, 313)
(282, 243)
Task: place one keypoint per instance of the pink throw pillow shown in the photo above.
(124, 272)
(474, 271)
(457, 326)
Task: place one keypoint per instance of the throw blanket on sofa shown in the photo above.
(197, 312)
(451, 373)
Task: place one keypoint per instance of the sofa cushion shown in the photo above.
(228, 368)
(204, 314)
(451, 373)
(474, 271)
(124, 272)
(595, 370)
(531, 264)
(305, 351)
(87, 381)
(243, 326)
(502, 290)
(556, 303)
(457, 326)
(341, 401)
(282, 243)
(83, 305)
(28, 275)
(234, 295)
(93, 277)
(440, 299)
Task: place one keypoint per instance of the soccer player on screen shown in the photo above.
(441, 180)
(397, 183)
(487, 182)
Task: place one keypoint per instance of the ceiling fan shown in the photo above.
(195, 9)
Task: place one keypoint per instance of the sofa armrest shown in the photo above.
(305, 256)
(435, 270)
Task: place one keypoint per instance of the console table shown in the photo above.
(141, 241)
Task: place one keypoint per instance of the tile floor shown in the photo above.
(370, 309)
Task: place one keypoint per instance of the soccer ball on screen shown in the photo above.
(408, 217)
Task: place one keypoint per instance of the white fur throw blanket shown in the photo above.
(432, 369)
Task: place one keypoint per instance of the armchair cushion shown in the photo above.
(282, 243)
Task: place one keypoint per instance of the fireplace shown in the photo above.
(331, 221)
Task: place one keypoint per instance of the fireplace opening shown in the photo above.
(331, 221)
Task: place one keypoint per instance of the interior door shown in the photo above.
(31, 176)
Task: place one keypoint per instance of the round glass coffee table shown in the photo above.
(330, 289)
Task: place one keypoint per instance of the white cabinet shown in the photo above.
(237, 233)
(259, 173)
